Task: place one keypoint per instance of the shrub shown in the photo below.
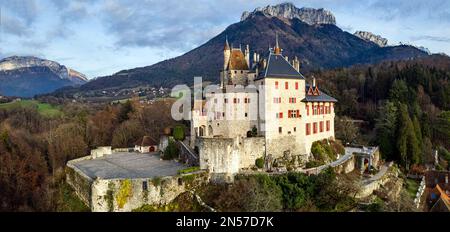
(444, 153)
(259, 162)
(178, 132)
(314, 163)
(188, 170)
(171, 151)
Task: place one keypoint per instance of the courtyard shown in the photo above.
(128, 165)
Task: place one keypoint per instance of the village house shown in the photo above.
(146, 144)
(437, 191)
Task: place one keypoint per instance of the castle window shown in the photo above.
(294, 113)
(235, 72)
(296, 85)
(286, 85)
(276, 84)
(277, 100)
(280, 130)
(315, 110)
(246, 114)
(315, 128)
(225, 100)
(292, 100)
(308, 128)
(321, 126)
(144, 186)
(295, 129)
(328, 125)
(279, 115)
(242, 71)
(322, 109)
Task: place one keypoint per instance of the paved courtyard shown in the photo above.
(129, 165)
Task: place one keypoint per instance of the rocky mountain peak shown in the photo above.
(310, 16)
(22, 62)
(368, 36)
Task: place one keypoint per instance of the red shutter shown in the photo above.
(296, 85)
(276, 84)
(286, 85)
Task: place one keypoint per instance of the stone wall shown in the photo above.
(123, 195)
(368, 188)
(100, 152)
(80, 182)
(229, 155)
(346, 167)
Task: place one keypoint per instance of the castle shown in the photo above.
(263, 108)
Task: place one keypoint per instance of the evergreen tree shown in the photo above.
(407, 144)
(386, 125)
(399, 91)
(417, 131)
(125, 109)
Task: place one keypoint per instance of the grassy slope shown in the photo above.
(43, 108)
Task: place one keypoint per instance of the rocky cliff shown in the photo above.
(25, 76)
(20, 62)
(289, 11)
(368, 36)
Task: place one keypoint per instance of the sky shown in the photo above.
(102, 37)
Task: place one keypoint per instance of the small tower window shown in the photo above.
(144, 186)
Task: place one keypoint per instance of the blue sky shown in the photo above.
(101, 37)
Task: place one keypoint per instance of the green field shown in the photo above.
(44, 109)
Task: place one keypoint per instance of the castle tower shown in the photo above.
(226, 54)
(277, 49)
(247, 55)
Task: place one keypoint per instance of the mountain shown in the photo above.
(368, 36)
(319, 46)
(26, 76)
(289, 11)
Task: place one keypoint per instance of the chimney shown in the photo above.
(314, 82)
(286, 58)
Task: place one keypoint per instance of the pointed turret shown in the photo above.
(226, 54)
(277, 49)
(227, 45)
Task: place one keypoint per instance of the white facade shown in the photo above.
(285, 111)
